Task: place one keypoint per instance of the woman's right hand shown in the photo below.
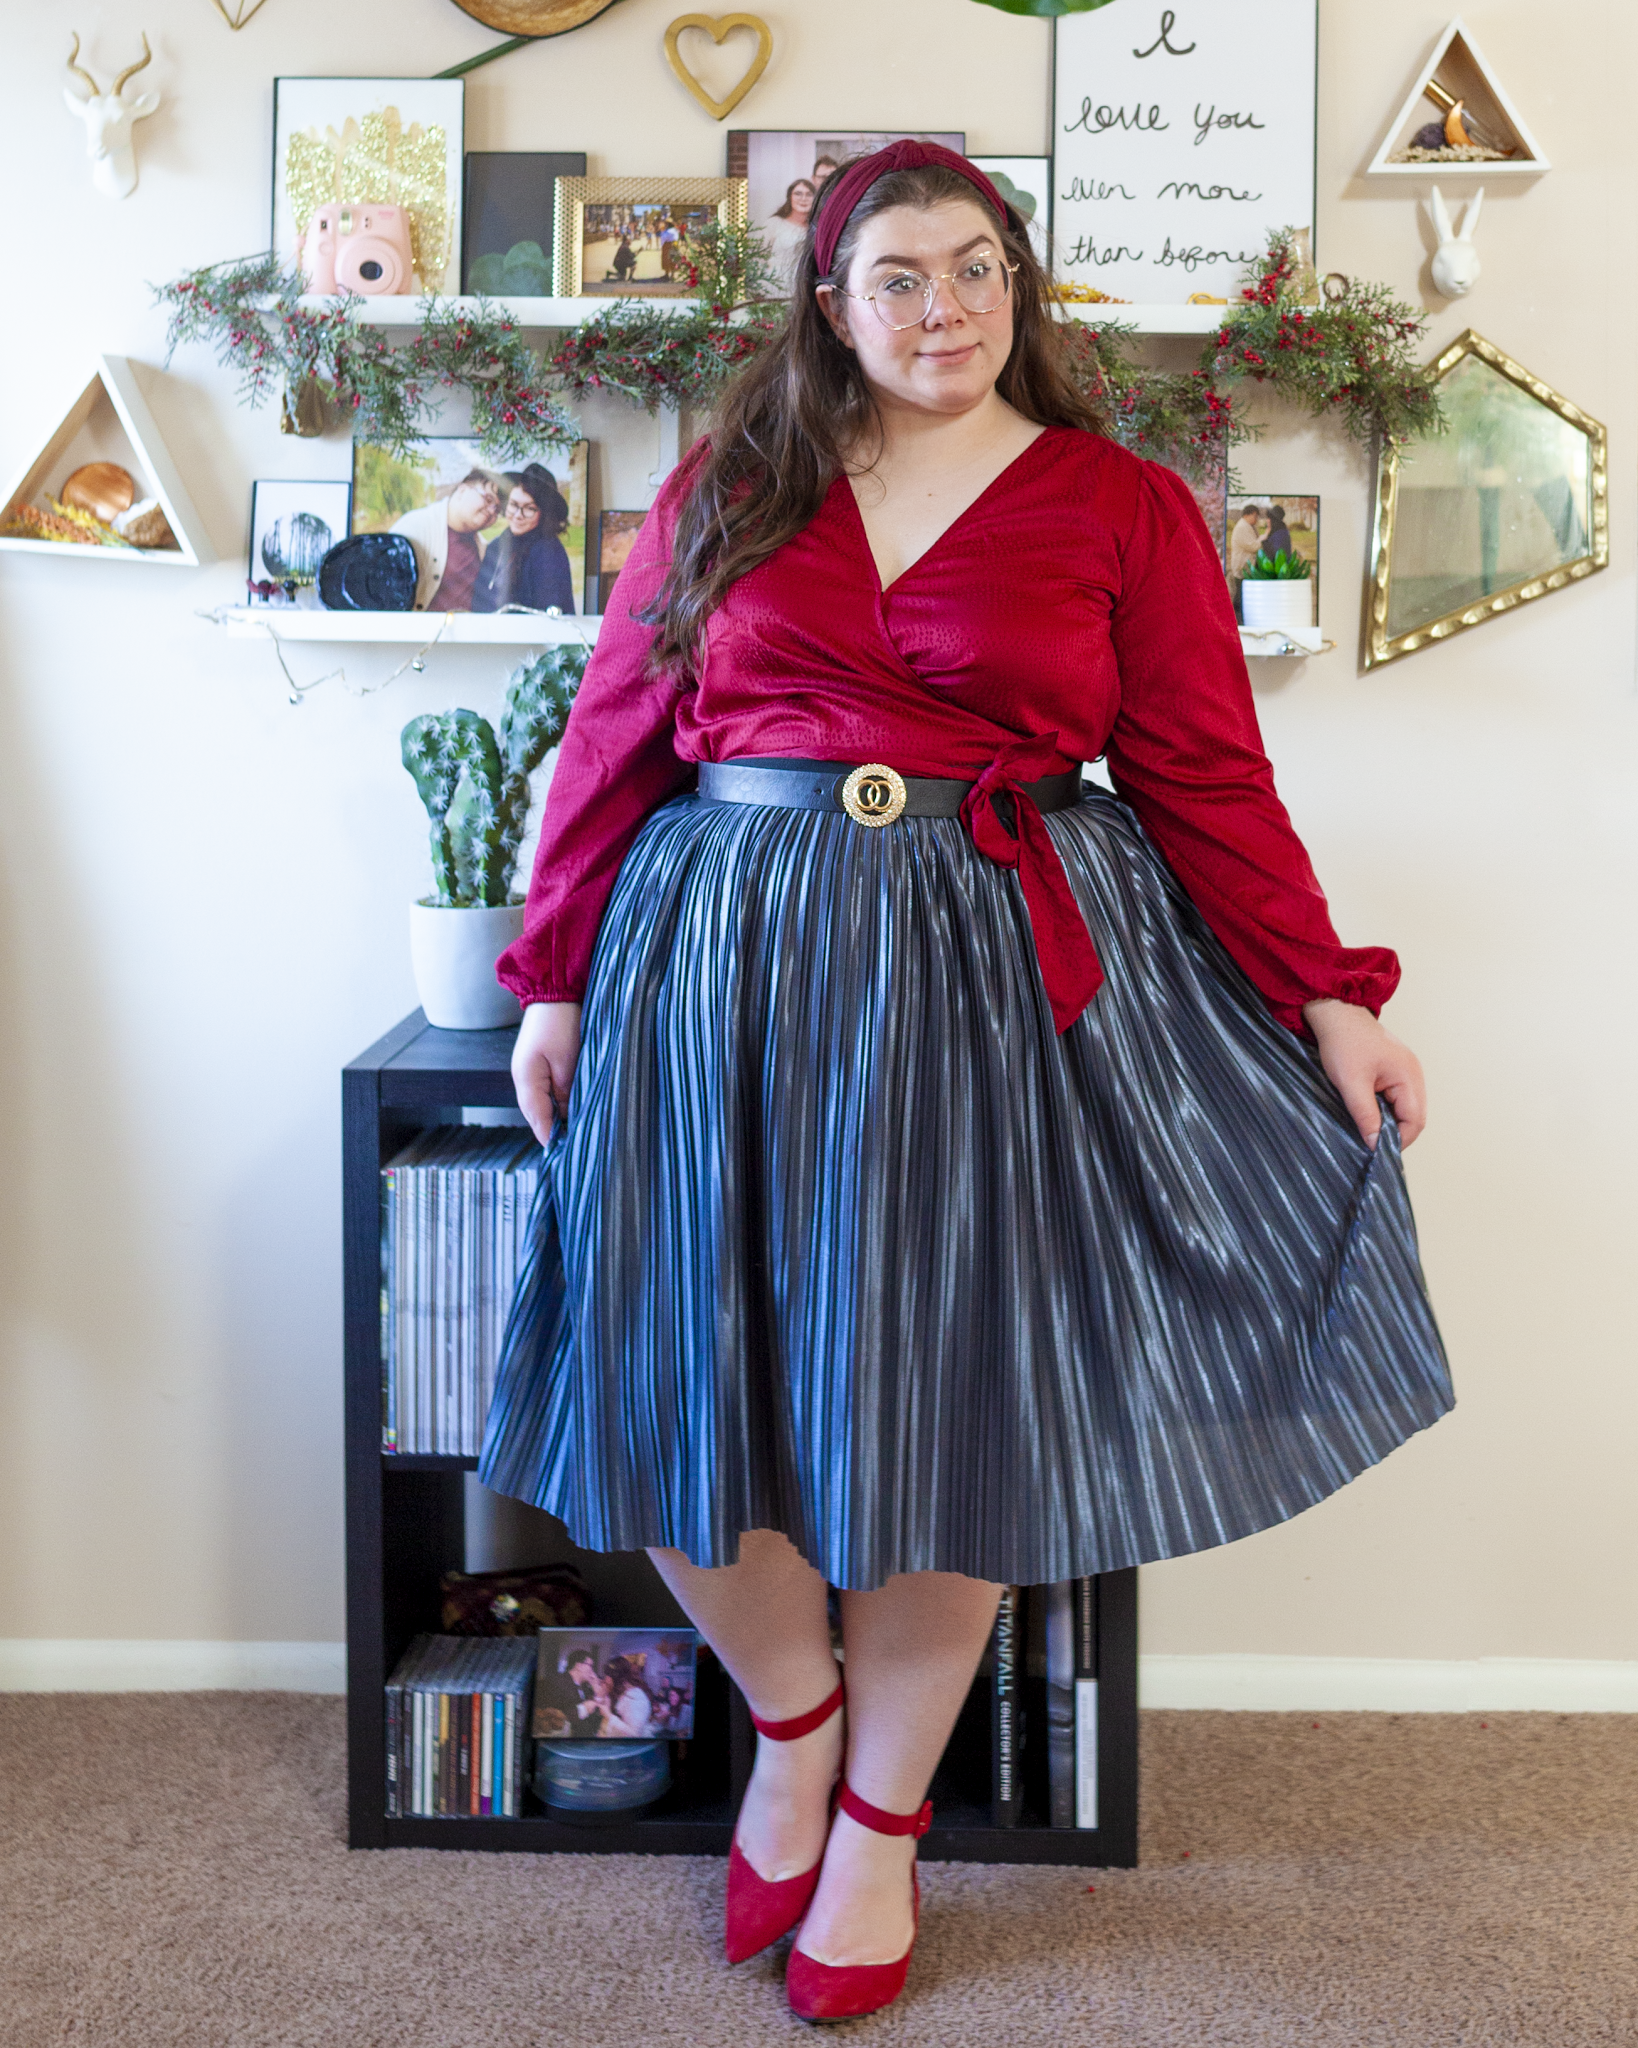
(543, 1063)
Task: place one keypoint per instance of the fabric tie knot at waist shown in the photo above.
(1063, 946)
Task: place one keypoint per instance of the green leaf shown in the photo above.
(1047, 8)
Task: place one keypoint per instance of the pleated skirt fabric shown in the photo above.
(841, 1239)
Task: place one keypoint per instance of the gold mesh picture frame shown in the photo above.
(624, 238)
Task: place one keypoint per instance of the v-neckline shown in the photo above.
(885, 590)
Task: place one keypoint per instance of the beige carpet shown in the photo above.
(172, 1875)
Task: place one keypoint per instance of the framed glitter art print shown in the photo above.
(367, 183)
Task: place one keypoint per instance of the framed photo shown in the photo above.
(1176, 144)
(606, 554)
(1270, 523)
(628, 237)
(293, 526)
(485, 539)
(1210, 493)
(508, 219)
(1026, 181)
(620, 1685)
(785, 169)
(390, 144)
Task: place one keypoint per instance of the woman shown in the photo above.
(787, 231)
(628, 1711)
(528, 565)
(992, 1191)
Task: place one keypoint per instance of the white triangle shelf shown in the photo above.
(1459, 66)
(110, 422)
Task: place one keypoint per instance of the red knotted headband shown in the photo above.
(844, 189)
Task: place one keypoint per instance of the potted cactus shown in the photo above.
(474, 782)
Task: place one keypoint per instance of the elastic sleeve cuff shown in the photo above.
(528, 992)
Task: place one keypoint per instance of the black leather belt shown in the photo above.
(872, 794)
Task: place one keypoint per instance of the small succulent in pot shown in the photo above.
(1278, 567)
(475, 781)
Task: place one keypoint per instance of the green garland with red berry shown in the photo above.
(1347, 357)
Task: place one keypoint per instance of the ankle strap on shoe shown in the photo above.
(799, 1724)
(885, 1823)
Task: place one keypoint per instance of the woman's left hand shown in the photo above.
(1365, 1060)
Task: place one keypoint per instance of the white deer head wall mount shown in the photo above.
(110, 121)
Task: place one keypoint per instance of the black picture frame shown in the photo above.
(509, 197)
(276, 498)
(603, 538)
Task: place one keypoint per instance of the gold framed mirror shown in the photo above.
(1510, 503)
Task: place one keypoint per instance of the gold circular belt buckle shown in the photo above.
(874, 794)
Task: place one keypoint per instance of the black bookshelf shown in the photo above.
(406, 1526)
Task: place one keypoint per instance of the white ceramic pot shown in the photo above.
(453, 953)
(1272, 604)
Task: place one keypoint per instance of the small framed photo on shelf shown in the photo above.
(486, 539)
(785, 171)
(1026, 182)
(620, 1685)
(367, 182)
(628, 237)
(606, 554)
(1274, 537)
(293, 526)
(507, 222)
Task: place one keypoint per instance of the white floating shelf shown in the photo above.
(1272, 641)
(387, 311)
(401, 312)
(1152, 319)
(416, 629)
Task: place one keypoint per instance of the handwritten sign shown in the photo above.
(1181, 135)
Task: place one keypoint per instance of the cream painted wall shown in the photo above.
(203, 905)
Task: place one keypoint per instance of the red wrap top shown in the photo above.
(1076, 609)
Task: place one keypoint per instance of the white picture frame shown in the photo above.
(391, 141)
(1180, 138)
(1025, 178)
(276, 549)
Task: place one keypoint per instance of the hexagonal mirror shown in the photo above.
(1507, 505)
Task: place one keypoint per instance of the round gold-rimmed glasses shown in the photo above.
(982, 285)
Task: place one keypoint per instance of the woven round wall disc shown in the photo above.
(100, 487)
(534, 17)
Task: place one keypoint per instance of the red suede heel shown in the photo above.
(846, 1991)
(762, 1909)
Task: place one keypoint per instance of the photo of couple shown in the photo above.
(786, 169)
(1268, 526)
(485, 539)
(638, 243)
(635, 1685)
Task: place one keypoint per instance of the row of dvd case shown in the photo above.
(455, 1211)
(458, 1726)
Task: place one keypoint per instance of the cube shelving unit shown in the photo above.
(406, 1526)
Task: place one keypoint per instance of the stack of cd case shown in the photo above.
(458, 1726)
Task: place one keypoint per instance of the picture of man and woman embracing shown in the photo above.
(634, 1685)
(485, 539)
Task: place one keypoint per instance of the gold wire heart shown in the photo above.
(718, 27)
(241, 14)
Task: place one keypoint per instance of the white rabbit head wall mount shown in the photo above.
(1455, 263)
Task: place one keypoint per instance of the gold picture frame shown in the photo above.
(1383, 645)
(659, 199)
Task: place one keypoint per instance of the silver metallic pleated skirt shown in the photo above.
(842, 1239)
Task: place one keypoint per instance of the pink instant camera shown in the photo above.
(355, 246)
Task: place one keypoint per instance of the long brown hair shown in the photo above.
(783, 430)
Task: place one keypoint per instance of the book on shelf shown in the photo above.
(455, 1208)
(1072, 1702)
(1007, 1712)
(457, 1712)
